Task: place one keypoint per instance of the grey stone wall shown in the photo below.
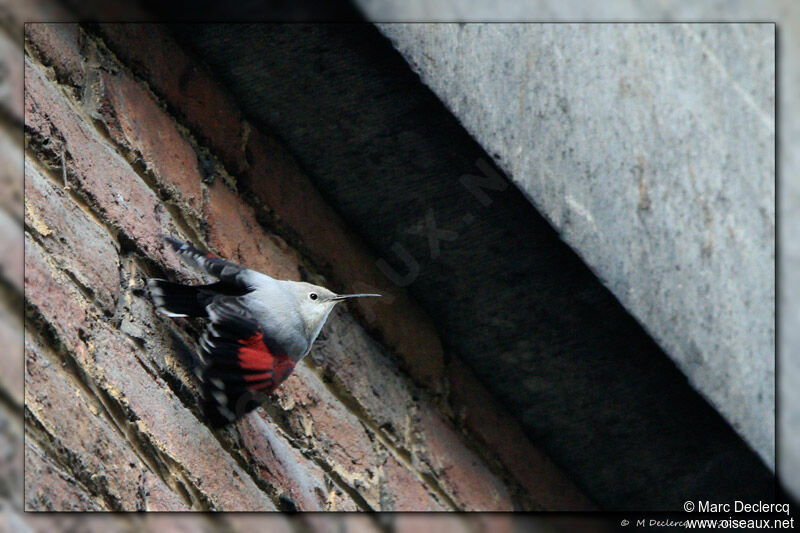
(650, 148)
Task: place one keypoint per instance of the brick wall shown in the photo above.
(128, 137)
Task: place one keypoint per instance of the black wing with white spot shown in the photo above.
(238, 362)
(209, 263)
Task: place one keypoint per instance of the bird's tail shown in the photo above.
(174, 299)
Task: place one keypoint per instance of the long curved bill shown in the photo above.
(348, 296)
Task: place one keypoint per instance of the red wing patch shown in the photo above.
(238, 363)
(255, 356)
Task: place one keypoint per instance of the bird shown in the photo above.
(257, 328)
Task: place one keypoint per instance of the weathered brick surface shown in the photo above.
(98, 173)
(350, 449)
(349, 354)
(71, 238)
(331, 432)
(241, 239)
(182, 82)
(305, 484)
(320, 415)
(149, 409)
(60, 46)
(459, 470)
(401, 490)
(75, 428)
(49, 488)
(132, 117)
(351, 431)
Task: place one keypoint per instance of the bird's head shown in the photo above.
(315, 304)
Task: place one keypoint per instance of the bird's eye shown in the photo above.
(313, 296)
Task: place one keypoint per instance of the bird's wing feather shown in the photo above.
(239, 362)
(209, 263)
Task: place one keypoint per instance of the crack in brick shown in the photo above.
(113, 412)
(404, 456)
(279, 419)
(56, 354)
(68, 464)
(122, 419)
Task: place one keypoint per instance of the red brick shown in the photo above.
(158, 497)
(341, 439)
(545, 486)
(174, 430)
(58, 46)
(282, 466)
(74, 422)
(402, 491)
(51, 297)
(112, 362)
(184, 84)
(362, 367)
(331, 432)
(136, 122)
(97, 171)
(460, 472)
(77, 244)
(49, 488)
(236, 235)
